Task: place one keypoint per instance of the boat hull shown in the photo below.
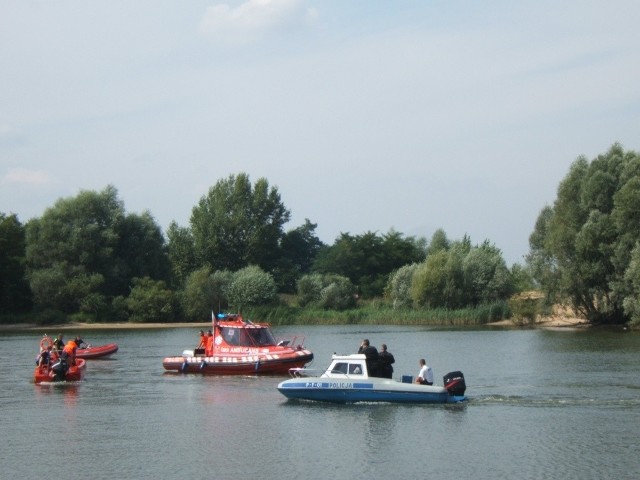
(366, 390)
(259, 364)
(99, 351)
(42, 374)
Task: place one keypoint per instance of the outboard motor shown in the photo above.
(59, 370)
(454, 383)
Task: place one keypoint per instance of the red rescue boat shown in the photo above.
(57, 368)
(98, 351)
(242, 347)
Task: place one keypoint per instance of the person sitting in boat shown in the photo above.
(45, 357)
(80, 343)
(371, 354)
(201, 344)
(425, 377)
(385, 359)
(58, 343)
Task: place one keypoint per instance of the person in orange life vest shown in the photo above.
(70, 349)
(208, 349)
(203, 340)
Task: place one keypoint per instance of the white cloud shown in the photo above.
(252, 19)
(26, 177)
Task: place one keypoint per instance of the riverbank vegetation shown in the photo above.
(88, 260)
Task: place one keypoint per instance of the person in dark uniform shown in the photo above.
(385, 359)
(371, 354)
(58, 343)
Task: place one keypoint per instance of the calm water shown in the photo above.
(542, 404)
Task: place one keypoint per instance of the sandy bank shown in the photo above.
(548, 322)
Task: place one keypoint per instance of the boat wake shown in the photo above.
(552, 401)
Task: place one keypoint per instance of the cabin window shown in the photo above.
(340, 368)
(355, 369)
(248, 337)
(230, 336)
(261, 336)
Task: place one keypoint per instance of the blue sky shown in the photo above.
(366, 115)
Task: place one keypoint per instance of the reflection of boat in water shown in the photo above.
(346, 380)
(242, 348)
(98, 351)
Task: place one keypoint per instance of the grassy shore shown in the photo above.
(354, 317)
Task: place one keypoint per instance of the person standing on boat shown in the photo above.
(371, 354)
(203, 341)
(385, 359)
(208, 349)
(425, 377)
(70, 351)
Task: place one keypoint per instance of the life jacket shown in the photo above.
(70, 348)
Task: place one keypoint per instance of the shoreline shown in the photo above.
(555, 322)
(102, 326)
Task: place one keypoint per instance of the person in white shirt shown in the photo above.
(425, 377)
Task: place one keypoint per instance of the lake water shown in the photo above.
(542, 405)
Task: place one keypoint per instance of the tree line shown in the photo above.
(86, 258)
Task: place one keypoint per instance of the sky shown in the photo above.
(367, 116)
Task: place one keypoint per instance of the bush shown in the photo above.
(251, 286)
(151, 301)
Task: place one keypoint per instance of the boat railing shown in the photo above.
(296, 341)
(300, 372)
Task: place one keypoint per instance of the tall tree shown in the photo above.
(85, 250)
(237, 224)
(182, 255)
(581, 247)
(299, 247)
(15, 295)
(368, 259)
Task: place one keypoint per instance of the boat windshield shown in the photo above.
(248, 336)
(352, 368)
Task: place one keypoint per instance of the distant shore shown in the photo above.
(103, 326)
(545, 322)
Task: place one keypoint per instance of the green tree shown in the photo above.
(237, 224)
(205, 292)
(399, 286)
(84, 251)
(368, 259)
(151, 301)
(309, 287)
(181, 251)
(299, 249)
(15, 295)
(631, 302)
(581, 247)
(251, 286)
(140, 252)
(461, 276)
(486, 276)
(329, 291)
(338, 293)
(439, 241)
